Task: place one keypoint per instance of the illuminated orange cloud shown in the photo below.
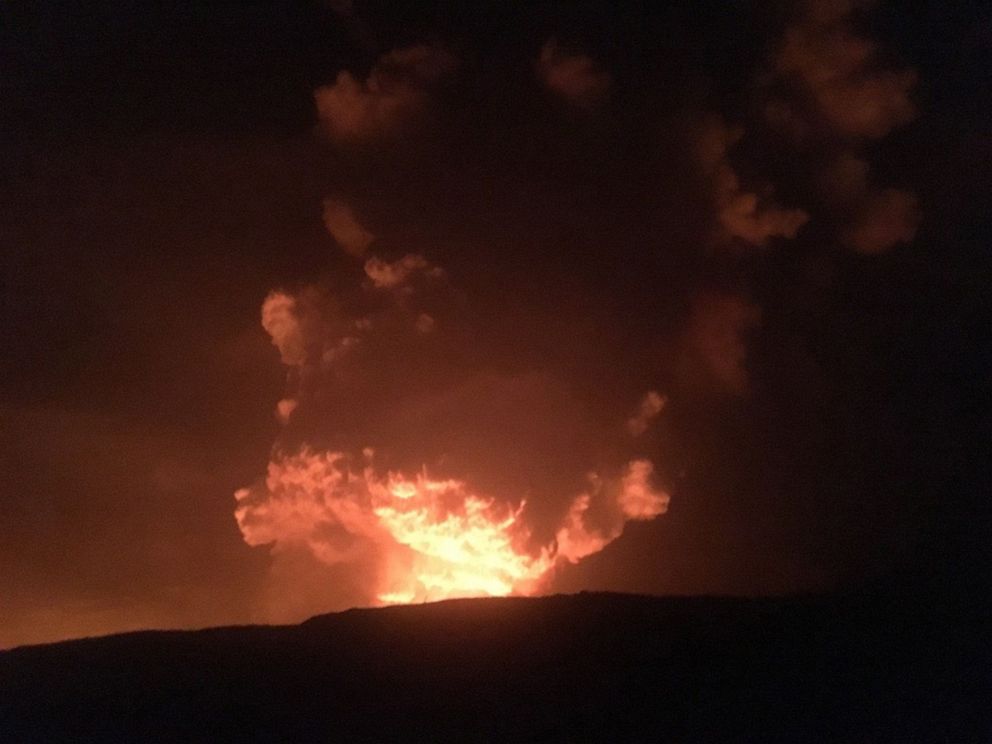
(285, 408)
(397, 274)
(885, 219)
(836, 67)
(716, 338)
(395, 91)
(741, 214)
(651, 405)
(280, 320)
(574, 77)
(340, 221)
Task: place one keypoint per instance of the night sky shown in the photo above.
(508, 244)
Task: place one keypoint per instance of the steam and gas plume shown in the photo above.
(341, 223)
(826, 94)
(575, 77)
(715, 342)
(823, 56)
(395, 92)
(407, 461)
(741, 214)
(432, 532)
(651, 405)
(834, 95)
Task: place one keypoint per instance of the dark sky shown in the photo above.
(776, 215)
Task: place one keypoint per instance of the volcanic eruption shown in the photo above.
(440, 440)
(431, 532)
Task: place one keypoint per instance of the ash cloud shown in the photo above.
(884, 218)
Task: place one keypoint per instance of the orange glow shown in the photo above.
(432, 539)
(460, 544)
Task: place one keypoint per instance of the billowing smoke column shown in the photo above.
(421, 460)
(426, 536)
(412, 425)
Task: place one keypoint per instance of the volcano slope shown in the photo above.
(865, 666)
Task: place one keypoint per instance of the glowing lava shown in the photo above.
(461, 544)
(432, 539)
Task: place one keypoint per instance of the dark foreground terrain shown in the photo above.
(860, 668)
